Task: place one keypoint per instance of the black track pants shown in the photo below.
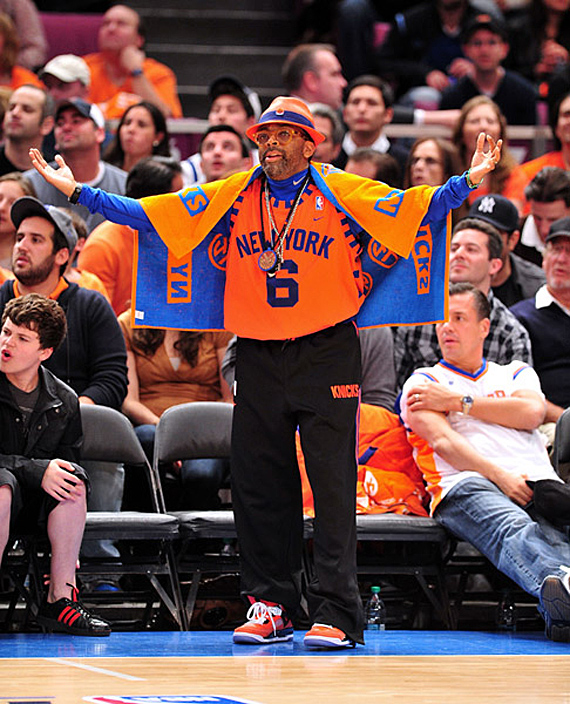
(311, 383)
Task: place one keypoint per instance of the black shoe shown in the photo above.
(555, 602)
(70, 616)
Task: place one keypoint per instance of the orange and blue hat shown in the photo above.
(288, 111)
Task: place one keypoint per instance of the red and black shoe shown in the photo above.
(70, 616)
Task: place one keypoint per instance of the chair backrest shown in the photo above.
(193, 431)
(561, 451)
(108, 436)
(70, 32)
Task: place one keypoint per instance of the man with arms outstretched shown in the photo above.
(293, 286)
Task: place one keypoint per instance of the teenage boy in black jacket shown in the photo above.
(41, 484)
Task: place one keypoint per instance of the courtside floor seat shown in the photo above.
(203, 429)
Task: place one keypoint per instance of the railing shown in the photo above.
(535, 139)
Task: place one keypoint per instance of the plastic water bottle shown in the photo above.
(375, 611)
(506, 613)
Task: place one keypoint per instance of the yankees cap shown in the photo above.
(496, 210)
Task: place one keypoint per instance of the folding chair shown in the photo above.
(108, 436)
(194, 431)
(411, 533)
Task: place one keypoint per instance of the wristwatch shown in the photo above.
(466, 403)
(74, 197)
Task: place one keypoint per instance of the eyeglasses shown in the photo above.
(283, 135)
(557, 247)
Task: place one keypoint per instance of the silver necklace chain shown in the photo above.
(278, 246)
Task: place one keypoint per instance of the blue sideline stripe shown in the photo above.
(219, 643)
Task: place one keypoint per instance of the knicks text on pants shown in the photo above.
(345, 390)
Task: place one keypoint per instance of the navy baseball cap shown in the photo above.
(485, 21)
(497, 211)
(230, 85)
(90, 110)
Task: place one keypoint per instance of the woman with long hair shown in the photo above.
(12, 186)
(431, 161)
(141, 132)
(168, 367)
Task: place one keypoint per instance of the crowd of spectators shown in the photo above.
(461, 64)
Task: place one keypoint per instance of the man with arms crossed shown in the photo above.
(473, 425)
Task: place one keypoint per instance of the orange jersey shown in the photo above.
(320, 282)
(216, 228)
(388, 478)
(114, 99)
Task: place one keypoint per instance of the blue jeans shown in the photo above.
(525, 549)
(199, 479)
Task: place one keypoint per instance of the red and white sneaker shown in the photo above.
(266, 623)
(323, 636)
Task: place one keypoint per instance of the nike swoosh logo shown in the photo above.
(296, 183)
(319, 218)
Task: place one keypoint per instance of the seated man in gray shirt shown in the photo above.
(79, 133)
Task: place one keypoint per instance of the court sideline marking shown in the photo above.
(92, 668)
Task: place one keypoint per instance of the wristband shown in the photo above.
(136, 72)
(470, 183)
(74, 197)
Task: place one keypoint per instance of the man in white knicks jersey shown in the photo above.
(473, 425)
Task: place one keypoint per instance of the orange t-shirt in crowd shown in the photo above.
(114, 99)
(523, 174)
(5, 274)
(108, 252)
(86, 279)
(21, 76)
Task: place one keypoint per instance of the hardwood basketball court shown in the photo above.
(395, 666)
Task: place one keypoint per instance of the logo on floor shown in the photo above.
(167, 699)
